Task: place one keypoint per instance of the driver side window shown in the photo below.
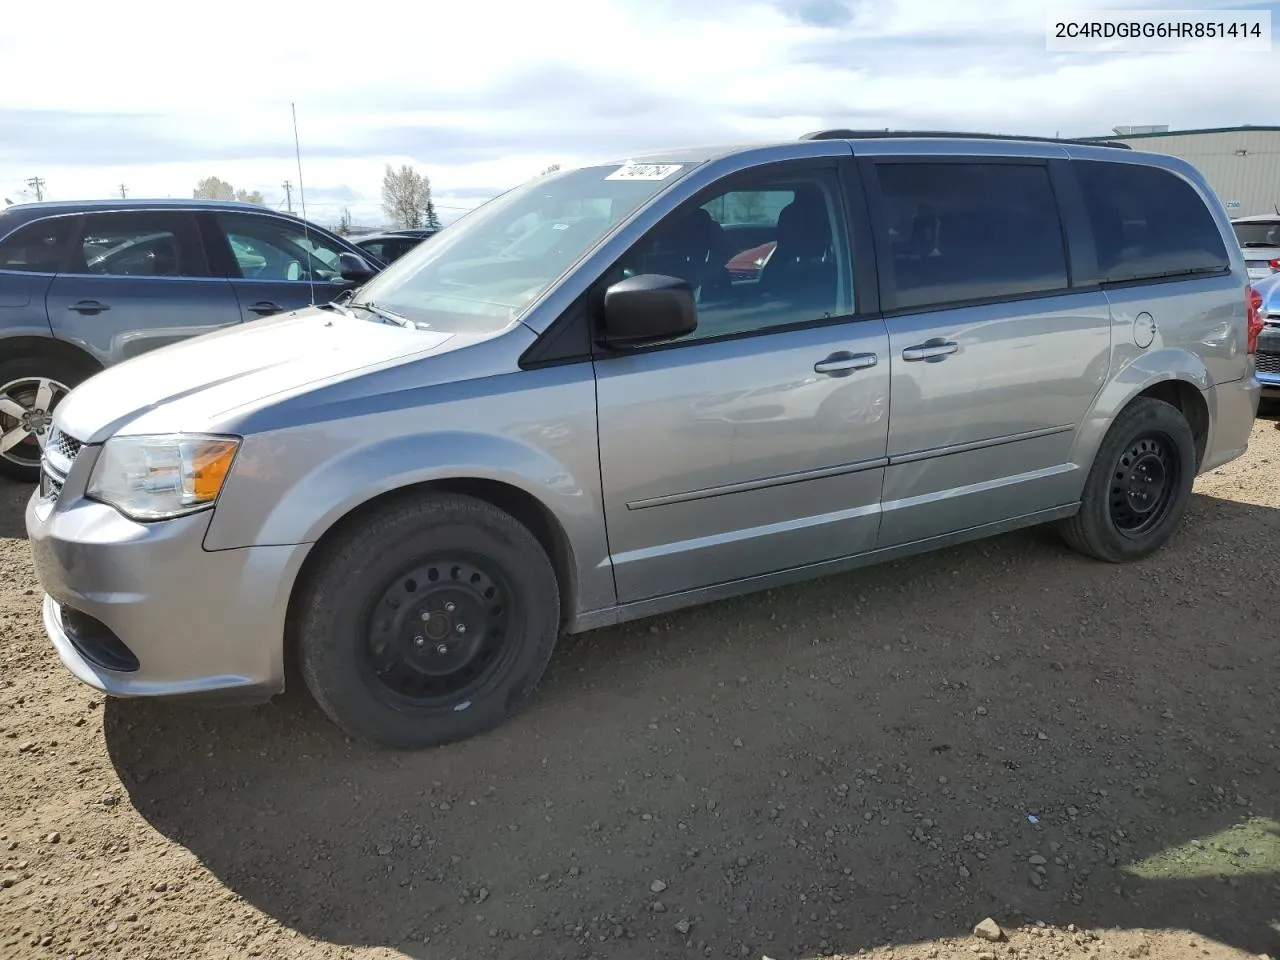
(266, 248)
(770, 252)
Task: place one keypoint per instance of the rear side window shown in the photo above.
(1148, 223)
(139, 244)
(38, 247)
(964, 232)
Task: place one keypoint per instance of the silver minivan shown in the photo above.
(416, 490)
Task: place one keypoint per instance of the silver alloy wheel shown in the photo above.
(26, 417)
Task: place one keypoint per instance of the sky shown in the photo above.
(482, 95)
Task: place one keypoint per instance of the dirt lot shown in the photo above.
(873, 762)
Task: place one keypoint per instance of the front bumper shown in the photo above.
(142, 609)
(1269, 381)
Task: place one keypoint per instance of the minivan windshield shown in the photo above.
(483, 272)
(1265, 233)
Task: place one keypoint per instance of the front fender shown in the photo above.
(290, 486)
(1138, 374)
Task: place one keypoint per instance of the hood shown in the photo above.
(1270, 290)
(189, 386)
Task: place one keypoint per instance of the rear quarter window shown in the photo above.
(1148, 223)
(38, 247)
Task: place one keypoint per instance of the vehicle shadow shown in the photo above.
(1002, 729)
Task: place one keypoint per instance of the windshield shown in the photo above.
(483, 272)
(1265, 234)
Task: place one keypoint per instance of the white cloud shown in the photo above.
(482, 95)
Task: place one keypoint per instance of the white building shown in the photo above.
(1242, 164)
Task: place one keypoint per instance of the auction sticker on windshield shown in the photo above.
(644, 171)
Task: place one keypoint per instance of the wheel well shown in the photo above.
(47, 346)
(1187, 399)
(523, 506)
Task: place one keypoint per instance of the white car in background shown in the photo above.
(1259, 237)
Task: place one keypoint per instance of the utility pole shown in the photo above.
(37, 184)
(124, 191)
(288, 195)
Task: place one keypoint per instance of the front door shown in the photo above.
(757, 442)
(995, 360)
(277, 266)
(135, 281)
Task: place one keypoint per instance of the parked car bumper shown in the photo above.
(142, 609)
(1269, 384)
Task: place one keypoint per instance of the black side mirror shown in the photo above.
(354, 268)
(648, 309)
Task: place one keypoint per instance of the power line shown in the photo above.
(37, 184)
(288, 195)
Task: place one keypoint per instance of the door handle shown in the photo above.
(89, 307)
(265, 307)
(842, 363)
(930, 350)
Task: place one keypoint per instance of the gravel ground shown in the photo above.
(877, 762)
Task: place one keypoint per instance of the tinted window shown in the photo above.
(762, 255)
(1258, 234)
(140, 244)
(268, 248)
(1148, 222)
(958, 232)
(376, 248)
(37, 247)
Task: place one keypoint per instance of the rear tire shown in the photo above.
(430, 622)
(1138, 487)
(32, 385)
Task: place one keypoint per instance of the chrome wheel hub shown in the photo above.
(26, 414)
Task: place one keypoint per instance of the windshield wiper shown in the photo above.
(383, 314)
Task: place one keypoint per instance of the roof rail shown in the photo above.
(948, 135)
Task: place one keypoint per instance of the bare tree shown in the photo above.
(213, 188)
(405, 196)
(344, 223)
(551, 169)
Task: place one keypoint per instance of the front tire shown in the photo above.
(430, 622)
(1138, 487)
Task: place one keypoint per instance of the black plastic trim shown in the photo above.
(843, 134)
(1082, 254)
(567, 340)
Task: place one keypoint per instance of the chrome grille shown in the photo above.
(50, 484)
(1268, 362)
(60, 452)
(66, 446)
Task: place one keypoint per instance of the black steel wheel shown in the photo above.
(427, 621)
(1144, 484)
(1139, 484)
(439, 629)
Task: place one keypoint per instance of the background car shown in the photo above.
(86, 285)
(1267, 292)
(1260, 239)
(391, 245)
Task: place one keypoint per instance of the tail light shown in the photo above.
(1253, 307)
(1274, 265)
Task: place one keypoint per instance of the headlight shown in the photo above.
(154, 478)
